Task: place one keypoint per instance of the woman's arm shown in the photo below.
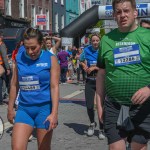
(14, 86)
(57, 44)
(55, 74)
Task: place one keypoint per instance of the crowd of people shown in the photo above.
(114, 68)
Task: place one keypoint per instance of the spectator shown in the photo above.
(52, 48)
(5, 64)
(63, 58)
(145, 23)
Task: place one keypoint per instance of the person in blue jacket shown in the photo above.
(36, 73)
(89, 61)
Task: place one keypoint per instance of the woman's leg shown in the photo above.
(89, 95)
(62, 75)
(78, 74)
(20, 136)
(44, 139)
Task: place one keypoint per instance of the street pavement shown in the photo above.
(73, 123)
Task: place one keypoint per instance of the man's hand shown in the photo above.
(141, 96)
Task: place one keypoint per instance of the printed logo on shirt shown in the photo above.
(124, 43)
(29, 83)
(42, 65)
(93, 63)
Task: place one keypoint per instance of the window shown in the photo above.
(40, 12)
(56, 22)
(62, 2)
(21, 8)
(33, 16)
(62, 21)
(8, 7)
(47, 21)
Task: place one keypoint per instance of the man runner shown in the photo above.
(124, 73)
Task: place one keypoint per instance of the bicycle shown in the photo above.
(1, 127)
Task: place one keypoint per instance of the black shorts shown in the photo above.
(140, 116)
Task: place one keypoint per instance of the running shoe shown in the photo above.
(101, 135)
(91, 129)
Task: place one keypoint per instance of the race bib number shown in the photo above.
(93, 63)
(29, 83)
(127, 55)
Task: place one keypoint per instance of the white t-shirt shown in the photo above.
(51, 50)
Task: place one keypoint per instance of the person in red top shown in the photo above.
(15, 51)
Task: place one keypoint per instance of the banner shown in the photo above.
(106, 12)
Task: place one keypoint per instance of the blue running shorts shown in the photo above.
(33, 115)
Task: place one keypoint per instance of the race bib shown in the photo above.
(93, 63)
(29, 83)
(127, 55)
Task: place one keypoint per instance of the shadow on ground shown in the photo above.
(80, 129)
(82, 103)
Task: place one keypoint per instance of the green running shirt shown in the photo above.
(126, 60)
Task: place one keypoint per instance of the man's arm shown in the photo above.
(140, 96)
(100, 92)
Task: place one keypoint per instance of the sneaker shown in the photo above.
(91, 129)
(30, 138)
(101, 135)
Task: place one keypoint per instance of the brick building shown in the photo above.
(26, 10)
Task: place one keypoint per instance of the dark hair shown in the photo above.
(144, 21)
(48, 38)
(96, 34)
(33, 33)
(114, 2)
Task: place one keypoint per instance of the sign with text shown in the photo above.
(93, 30)
(41, 19)
(67, 41)
(106, 12)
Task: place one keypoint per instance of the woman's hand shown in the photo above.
(53, 119)
(90, 69)
(11, 115)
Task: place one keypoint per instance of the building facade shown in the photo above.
(72, 10)
(58, 15)
(37, 7)
(26, 10)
